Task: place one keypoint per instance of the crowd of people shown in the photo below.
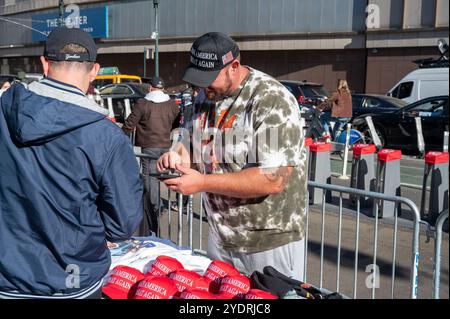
(70, 181)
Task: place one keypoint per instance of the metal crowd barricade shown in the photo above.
(414, 262)
(438, 252)
(358, 195)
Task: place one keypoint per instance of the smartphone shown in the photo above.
(165, 175)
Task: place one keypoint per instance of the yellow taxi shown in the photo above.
(111, 76)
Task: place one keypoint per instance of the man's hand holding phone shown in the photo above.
(190, 182)
(168, 161)
(166, 175)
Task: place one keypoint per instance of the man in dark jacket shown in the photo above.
(153, 117)
(69, 181)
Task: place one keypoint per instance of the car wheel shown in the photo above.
(368, 137)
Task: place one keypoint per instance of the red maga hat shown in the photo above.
(164, 265)
(122, 282)
(186, 279)
(156, 287)
(234, 287)
(196, 294)
(218, 269)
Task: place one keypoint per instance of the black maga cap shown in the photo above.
(62, 36)
(157, 82)
(210, 53)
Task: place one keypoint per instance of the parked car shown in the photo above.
(372, 103)
(398, 130)
(119, 92)
(306, 93)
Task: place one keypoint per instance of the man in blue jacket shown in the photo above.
(69, 181)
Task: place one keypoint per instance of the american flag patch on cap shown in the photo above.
(227, 58)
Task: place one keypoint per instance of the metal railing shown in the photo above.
(190, 221)
(359, 193)
(183, 228)
(438, 252)
(189, 212)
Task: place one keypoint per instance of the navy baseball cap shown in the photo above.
(157, 82)
(210, 53)
(62, 36)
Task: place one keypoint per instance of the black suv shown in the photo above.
(306, 93)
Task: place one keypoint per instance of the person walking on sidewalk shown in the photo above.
(341, 106)
(153, 117)
(255, 200)
(69, 181)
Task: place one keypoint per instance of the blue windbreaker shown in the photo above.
(69, 182)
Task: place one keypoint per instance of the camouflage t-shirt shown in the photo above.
(259, 126)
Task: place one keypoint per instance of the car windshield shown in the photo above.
(314, 90)
(99, 83)
(107, 89)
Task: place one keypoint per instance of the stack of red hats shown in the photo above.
(216, 271)
(167, 279)
(225, 282)
(129, 283)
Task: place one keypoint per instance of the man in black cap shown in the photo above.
(69, 179)
(153, 117)
(250, 160)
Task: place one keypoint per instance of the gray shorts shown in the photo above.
(287, 259)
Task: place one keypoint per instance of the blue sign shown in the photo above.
(92, 20)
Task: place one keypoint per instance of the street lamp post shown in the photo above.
(145, 62)
(155, 6)
(61, 13)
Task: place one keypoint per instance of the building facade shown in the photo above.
(371, 43)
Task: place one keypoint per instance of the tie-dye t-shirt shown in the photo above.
(258, 126)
